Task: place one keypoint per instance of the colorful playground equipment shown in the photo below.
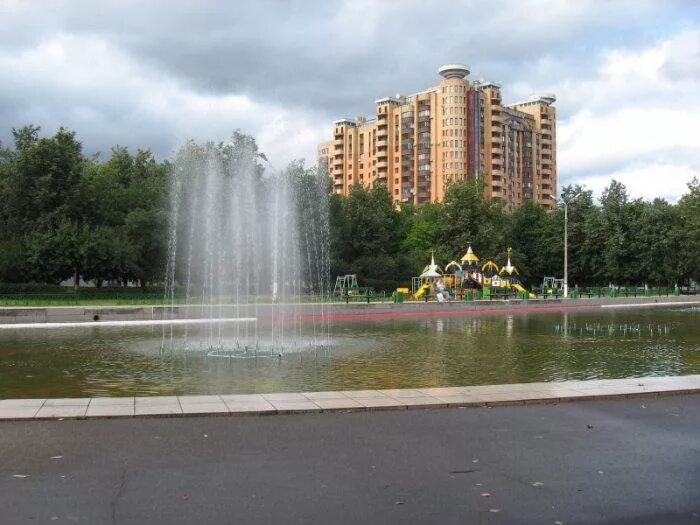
(346, 285)
(430, 282)
(467, 280)
(552, 286)
(347, 289)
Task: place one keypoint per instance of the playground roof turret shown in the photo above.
(455, 265)
(508, 268)
(432, 269)
(470, 256)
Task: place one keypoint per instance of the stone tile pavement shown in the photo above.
(345, 401)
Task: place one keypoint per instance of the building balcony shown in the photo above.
(382, 163)
(382, 141)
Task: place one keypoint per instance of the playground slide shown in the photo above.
(521, 289)
(421, 291)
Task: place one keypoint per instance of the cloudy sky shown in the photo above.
(153, 74)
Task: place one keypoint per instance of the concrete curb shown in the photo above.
(75, 314)
(346, 401)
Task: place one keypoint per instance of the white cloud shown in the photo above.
(665, 181)
(589, 142)
(636, 120)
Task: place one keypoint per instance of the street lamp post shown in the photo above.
(566, 250)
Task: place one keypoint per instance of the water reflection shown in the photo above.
(381, 353)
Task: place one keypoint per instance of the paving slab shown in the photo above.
(325, 395)
(422, 402)
(499, 399)
(160, 408)
(381, 403)
(360, 394)
(241, 409)
(8, 403)
(286, 396)
(66, 402)
(460, 400)
(339, 404)
(398, 393)
(18, 412)
(61, 411)
(349, 400)
(210, 409)
(243, 398)
(107, 411)
(293, 406)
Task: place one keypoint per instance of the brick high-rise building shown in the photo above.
(417, 144)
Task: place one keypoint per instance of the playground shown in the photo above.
(470, 279)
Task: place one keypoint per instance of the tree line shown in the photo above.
(615, 240)
(64, 214)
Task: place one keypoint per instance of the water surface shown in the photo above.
(366, 353)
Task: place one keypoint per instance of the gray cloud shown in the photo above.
(295, 64)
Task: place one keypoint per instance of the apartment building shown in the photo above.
(417, 144)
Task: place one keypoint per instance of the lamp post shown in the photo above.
(566, 250)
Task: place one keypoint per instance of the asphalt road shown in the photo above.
(633, 461)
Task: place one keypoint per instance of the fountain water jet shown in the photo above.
(245, 241)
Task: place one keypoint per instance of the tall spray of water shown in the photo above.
(246, 241)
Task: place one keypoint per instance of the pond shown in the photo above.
(436, 350)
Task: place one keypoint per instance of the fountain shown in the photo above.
(247, 242)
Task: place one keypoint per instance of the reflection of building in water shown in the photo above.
(509, 325)
(439, 325)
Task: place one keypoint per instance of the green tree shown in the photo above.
(688, 231)
(470, 218)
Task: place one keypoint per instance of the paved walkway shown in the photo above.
(346, 401)
(631, 461)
